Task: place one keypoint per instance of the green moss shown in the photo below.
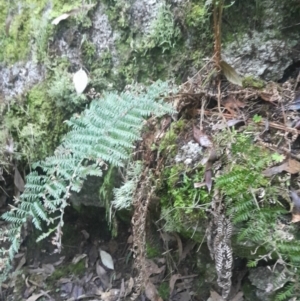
(250, 81)
(88, 52)
(36, 124)
(17, 43)
(168, 144)
(152, 251)
(29, 27)
(72, 269)
(164, 290)
(182, 204)
(196, 15)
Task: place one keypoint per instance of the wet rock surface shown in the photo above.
(19, 78)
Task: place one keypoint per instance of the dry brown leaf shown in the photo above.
(60, 18)
(214, 296)
(85, 234)
(61, 259)
(21, 263)
(230, 73)
(130, 239)
(129, 286)
(48, 268)
(291, 166)
(111, 295)
(71, 12)
(208, 179)
(201, 138)
(183, 296)
(232, 104)
(238, 297)
(295, 206)
(172, 282)
(151, 292)
(187, 248)
(101, 272)
(37, 296)
(78, 257)
(18, 180)
(180, 247)
(295, 218)
(232, 122)
(152, 268)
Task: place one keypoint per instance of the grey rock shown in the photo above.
(268, 280)
(189, 153)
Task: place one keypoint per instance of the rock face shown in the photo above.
(118, 28)
(268, 51)
(261, 56)
(19, 78)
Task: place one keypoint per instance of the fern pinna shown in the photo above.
(104, 133)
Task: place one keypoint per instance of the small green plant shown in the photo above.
(61, 90)
(164, 290)
(277, 157)
(152, 251)
(40, 32)
(182, 204)
(253, 204)
(250, 81)
(257, 118)
(163, 32)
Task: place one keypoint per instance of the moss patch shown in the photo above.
(67, 270)
(35, 124)
(250, 81)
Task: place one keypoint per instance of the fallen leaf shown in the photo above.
(208, 179)
(106, 260)
(153, 268)
(291, 166)
(295, 218)
(151, 292)
(201, 138)
(229, 123)
(295, 206)
(37, 296)
(18, 180)
(100, 270)
(9, 148)
(230, 102)
(183, 296)
(111, 295)
(77, 291)
(48, 268)
(61, 259)
(130, 239)
(80, 80)
(230, 73)
(180, 247)
(78, 257)
(187, 248)
(85, 234)
(72, 12)
(128, 286)
(215, 297)
(60, 18)
(172, 282)
(21, 263)
(238, 297)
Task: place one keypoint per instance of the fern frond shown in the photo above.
(106, 131)
(285, 293)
